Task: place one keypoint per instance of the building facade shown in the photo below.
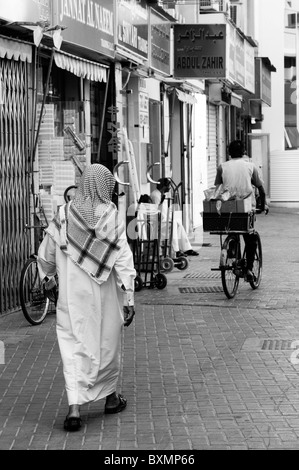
(147, 88)
(280, 121)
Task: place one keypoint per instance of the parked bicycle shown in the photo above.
(35, 300)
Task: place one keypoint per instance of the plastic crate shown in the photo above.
(239, 222)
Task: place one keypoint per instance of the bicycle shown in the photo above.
(233, 262)
(36, 302)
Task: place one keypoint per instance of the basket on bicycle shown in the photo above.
(213, 222)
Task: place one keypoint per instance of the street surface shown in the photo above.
(200, 372)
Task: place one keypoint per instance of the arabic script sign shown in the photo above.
(160, 42)
(200, 51)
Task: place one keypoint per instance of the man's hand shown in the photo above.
(50, 286)
(129, 313)
(50, 283)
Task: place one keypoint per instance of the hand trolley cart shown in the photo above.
(146, 248)
(169, 260)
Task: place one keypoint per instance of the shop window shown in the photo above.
(61, 149)
(98, 121)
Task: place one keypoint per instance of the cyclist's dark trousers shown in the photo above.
(250, 240)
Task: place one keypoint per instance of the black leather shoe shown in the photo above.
(191, 253)
(179, 254)
(72, 424)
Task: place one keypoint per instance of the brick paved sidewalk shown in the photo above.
(200, 371)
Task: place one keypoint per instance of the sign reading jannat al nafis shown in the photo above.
(88, 23)
(200, 51)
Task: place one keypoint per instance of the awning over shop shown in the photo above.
(15, 50)
(236, 100)
(81, 67)
(185, 97)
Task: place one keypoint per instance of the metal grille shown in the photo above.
(196, 275)
(200, 290)
(13, 183)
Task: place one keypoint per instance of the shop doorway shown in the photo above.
(259, 151)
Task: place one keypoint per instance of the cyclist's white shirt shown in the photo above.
(237, 176)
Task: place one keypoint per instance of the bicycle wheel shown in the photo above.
(228, 261)
(34, 302)
(257, 265)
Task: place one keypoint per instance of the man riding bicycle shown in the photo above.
(238, 176)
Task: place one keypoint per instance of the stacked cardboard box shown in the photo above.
(47, 123)
(64, 176)
(233, 205)
(49, 206)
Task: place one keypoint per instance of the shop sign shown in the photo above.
(160, 43)
(231, 50)
(262, 81)
(200, 51)
(240, 60)
(89, 24)
(133, 26)
(113, 127)
(26, 10)
(266, 85)
(249, 68)
(144, 116)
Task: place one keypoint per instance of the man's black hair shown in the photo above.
(236, 149)
(163, 182)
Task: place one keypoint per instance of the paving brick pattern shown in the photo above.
(193, 371)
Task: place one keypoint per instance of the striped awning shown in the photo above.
(81, 67)
(15, 50)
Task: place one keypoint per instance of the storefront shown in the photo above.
(143, 54)
(15, 63)
(57, 89)
(68, 122)
(215, 51)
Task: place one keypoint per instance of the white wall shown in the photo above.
(270, 37)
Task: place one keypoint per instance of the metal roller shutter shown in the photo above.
(212, 141)
(284, 173)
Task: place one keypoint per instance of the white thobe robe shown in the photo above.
(89, 321)
(180, 240)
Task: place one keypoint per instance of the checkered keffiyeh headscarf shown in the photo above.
(87, 229)
(94, 193)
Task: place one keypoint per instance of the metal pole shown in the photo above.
(103, 117)
(42, 108)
